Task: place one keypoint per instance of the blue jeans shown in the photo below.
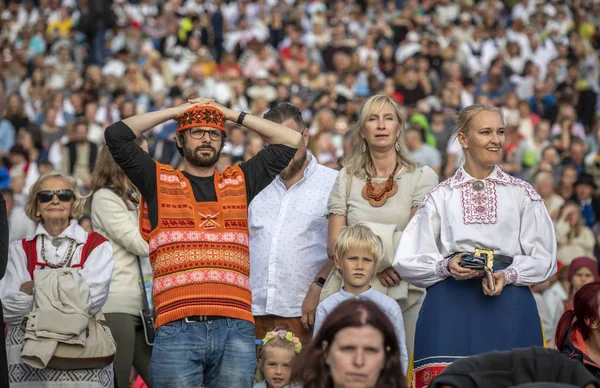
(214, 354)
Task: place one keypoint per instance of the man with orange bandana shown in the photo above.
(196, 224)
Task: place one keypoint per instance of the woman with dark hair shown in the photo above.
(356, 346)
(15, 111)
(578, 331)
(30, 137)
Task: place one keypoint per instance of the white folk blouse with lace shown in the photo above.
(507, 215)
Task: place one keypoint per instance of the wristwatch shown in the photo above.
(320, 281)
(240, 119)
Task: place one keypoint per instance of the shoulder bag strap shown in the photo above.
(145, 298)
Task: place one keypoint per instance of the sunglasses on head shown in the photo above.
(64, 195)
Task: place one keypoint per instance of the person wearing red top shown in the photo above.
(578, 331)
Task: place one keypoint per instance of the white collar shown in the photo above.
(73, 231)
(350, 295)
(461, 177)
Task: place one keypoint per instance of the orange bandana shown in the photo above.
(201, 116)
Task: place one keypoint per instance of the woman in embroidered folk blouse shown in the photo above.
(55, 203)
(480, 207)
(382, 186)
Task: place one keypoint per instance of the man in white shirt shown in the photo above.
(288, 238)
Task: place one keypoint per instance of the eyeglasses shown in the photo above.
(198, 134)
(64, 195)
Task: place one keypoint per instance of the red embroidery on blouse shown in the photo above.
(458, 177)
(531, 193)
(504, 178)
(480, 207)
(441, 268)
(511, 275)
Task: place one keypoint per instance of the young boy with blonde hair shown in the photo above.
(356, 253)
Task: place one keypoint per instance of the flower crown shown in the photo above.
(283, 334)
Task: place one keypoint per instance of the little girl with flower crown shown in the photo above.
(276, 354)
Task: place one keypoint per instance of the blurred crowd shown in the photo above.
(73, 67)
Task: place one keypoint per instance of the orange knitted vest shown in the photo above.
(199, 250)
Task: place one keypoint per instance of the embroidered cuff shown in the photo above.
(511, 275)
(441, 268)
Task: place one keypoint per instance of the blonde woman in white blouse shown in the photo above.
(382, 186)
(482, 211)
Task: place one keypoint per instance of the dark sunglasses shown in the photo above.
(64, 195)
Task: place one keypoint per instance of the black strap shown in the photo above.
(146, 305)
(502, 261)
(93, 156)
(72, 156)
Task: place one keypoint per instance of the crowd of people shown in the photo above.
(242, 169)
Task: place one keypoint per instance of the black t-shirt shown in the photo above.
(259, 171)
(412, 96)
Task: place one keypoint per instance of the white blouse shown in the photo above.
(507, 216)
(97, 271)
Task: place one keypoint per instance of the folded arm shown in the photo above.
(16, 304)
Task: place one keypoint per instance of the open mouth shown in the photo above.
(493, 149)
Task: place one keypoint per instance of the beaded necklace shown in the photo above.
(65, 260)
(378, 193)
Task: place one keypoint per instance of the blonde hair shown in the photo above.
(359, 236)
(541, 177)
(464, 121)
(278, 337)
(31, 207)
(358, 163)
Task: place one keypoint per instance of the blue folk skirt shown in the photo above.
(457, 321)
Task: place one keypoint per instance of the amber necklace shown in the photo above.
(378, 193)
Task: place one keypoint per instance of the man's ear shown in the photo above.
(179, 138)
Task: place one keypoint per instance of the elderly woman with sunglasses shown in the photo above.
(55, 204)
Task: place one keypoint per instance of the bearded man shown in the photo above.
(288, 238)
(196, 225)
